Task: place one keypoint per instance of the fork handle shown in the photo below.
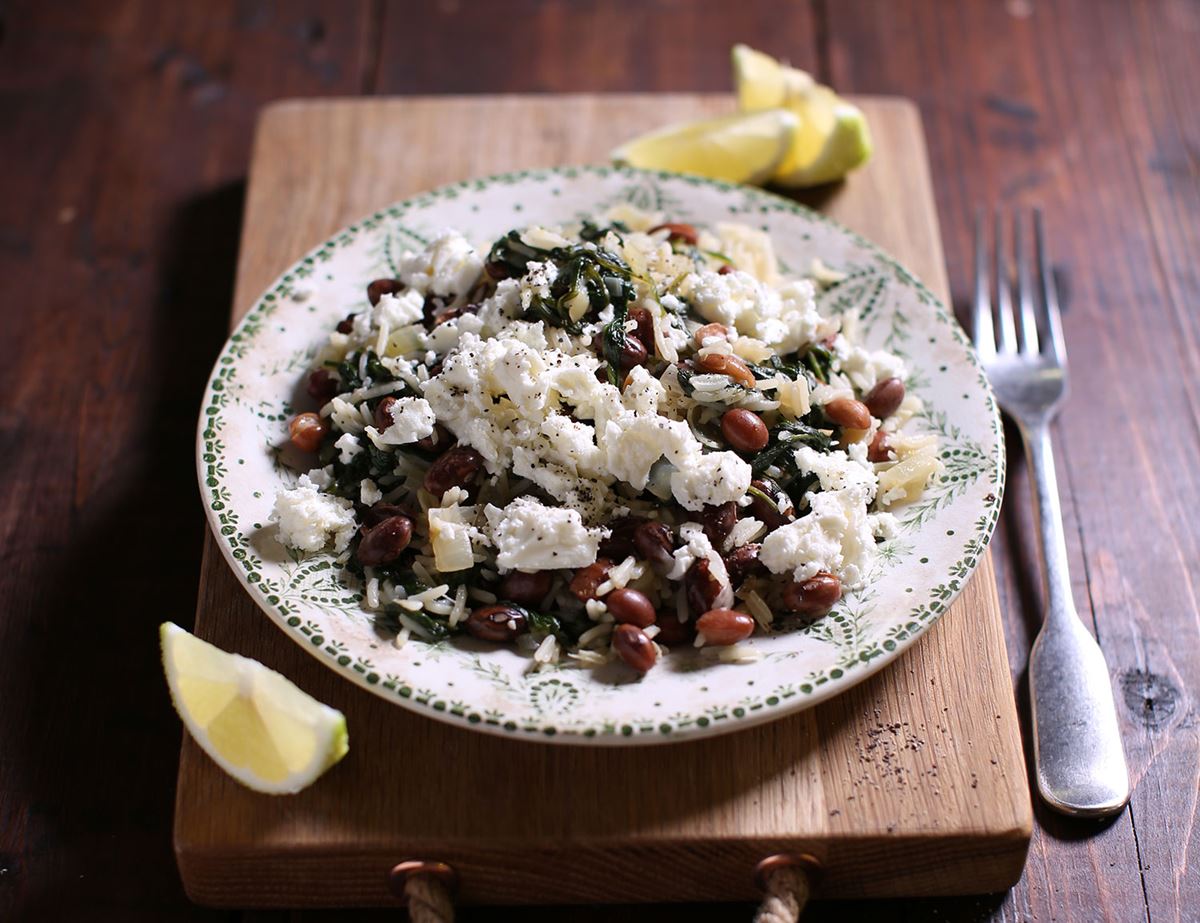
(1056, 579)
(1077, 740)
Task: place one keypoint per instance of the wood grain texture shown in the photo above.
(912, 783)
(1110, 153)
(125, 127)
(124, 132)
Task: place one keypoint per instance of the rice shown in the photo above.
(588, 658)
(595, 633)
(759, 609)
(745, 531)
(547, 651)
(459, 611)
(738, 653)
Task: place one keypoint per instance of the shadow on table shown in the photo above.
(97, 755)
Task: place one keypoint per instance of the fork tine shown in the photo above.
(1057, 344)
(1025, 294)
(1008, 331)
(982, 330)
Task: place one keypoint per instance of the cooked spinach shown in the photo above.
(786, 437)
(438, 629)
(600, 275)
(818, 360)
(595, 232)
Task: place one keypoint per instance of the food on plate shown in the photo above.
(255, 724)
(601, 441)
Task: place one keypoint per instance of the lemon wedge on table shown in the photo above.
(832, 138)
(255, 724)
(742, 148)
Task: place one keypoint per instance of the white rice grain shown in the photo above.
(738, 653)
(415, 627)
(460, 605)
(759, 609)
(593, 634)
(547, 651)
(433, 593)
(746, 530)
(366, 394)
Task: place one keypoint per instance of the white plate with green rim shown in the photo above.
(465, 682)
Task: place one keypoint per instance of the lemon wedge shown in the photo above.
(762, 82)
(832, 138)
(255, 724)
(743, 148)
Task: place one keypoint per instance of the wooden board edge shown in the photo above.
(710, 870)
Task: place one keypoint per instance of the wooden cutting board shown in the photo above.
(912, 783)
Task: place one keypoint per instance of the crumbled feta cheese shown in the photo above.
(348, 446)
(309, 520)
(883, 525)
(530, 536)
(633, 442)
(536, 282)
(572, 444)
(642, 391)
(345, 416)
(408, 307)
(834, 536)
(369, 493)
(696, 546)
(838, 471)
(448, 334)
(412, 419)
(449, 266)
(724, 299)
(865, 368)
(710, 479)
(321, 478)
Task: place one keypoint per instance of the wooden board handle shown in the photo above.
(786, 883)
(425, 888)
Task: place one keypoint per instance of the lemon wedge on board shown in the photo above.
(832, 138)
(742, 148)
(762, 82)
(255, 724)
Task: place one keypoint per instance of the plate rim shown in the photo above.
(737, 718)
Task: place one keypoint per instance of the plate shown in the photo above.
(259, 374)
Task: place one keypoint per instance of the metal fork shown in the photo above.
(1077, 743)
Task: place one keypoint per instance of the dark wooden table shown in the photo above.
(124, 133)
